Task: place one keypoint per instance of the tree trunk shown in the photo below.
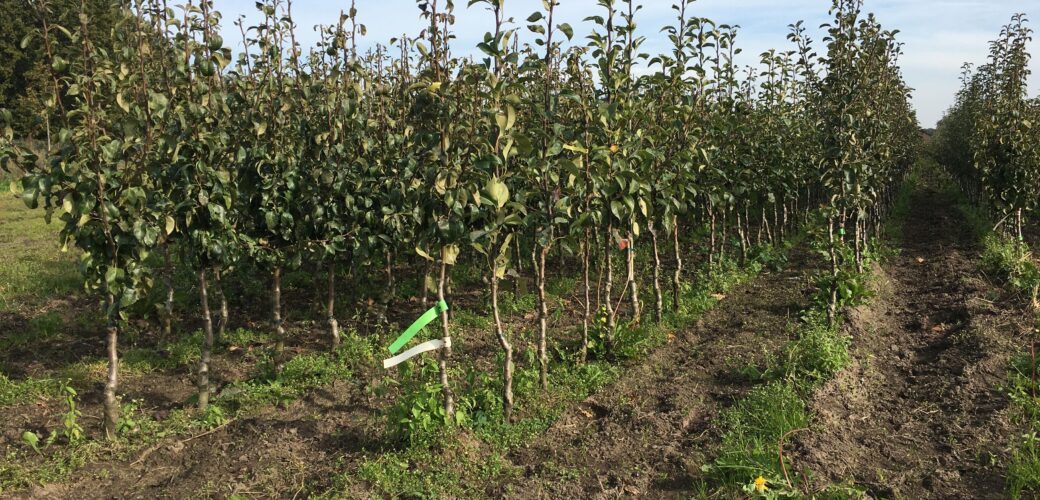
(859, 246)
(426, 285)
(630, 258)
(608, 288)
(445, 353)
(741, 232)
(391, 282)
(167, 276)
(111, 410)
(223, 322)
(519, 267)
(711, 250)
(507, 349)
(207, 342)
(761, 226)
(276, 319)
(1018, 224)
(586, 313)
(543, 322)
(658, 298)
(832, 309)
(766, 224)
(677, 277)
(747, 231)
(778, 229)
(330, 307)
(724, 234)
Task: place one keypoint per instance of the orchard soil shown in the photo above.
(918, 413)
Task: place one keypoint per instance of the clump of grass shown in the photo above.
(302, 373)
(1011, 262)
(753, 429)
(242, 338)
(42, 327)
(34, 269)
(16, 472)
(1023, 474)
(21, 391)
(819, 352)
(430, 473)
(465, 318)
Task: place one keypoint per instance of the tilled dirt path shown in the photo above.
(646, 434)
(919, 412)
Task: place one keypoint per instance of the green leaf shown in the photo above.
(113, 275)
(533, 18)
(497, 191)
(510, 116)
(121, 101)
(30, 438)
(576, 148)
(567, 30)
(449, 254)
(422, 253)
(170, 225)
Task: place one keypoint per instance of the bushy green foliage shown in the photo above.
(1023, 473)
(24, 391)
(752, 432)
(1011, 262)
(819, 352)
(988, 140)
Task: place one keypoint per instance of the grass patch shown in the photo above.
(43, 327)
(34, 268)
(302, 373)
(819, 352)
(1012, 263)
(451, 470)
(1023, 474)
(16, 472)
(753, 429)
(477, 439)
(14, 392)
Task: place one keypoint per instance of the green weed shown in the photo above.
(34, 269)
(16, 392)
(1011, 262)
(1023, 474)
(819, 351)
(752, 430)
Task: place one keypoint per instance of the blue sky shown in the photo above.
(939, 35)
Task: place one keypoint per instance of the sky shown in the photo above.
(939, 36)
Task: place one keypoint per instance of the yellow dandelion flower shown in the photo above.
(760, 484)
(614, 148)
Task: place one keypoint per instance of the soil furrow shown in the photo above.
(919, 412)
(647, 433)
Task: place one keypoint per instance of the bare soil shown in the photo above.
(649, 433)
(919, 413)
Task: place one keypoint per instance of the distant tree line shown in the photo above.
(23, 74)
